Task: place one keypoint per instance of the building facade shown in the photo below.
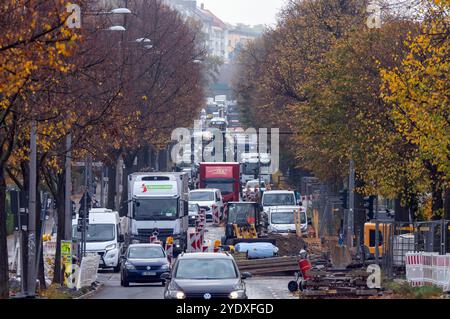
(214, 29)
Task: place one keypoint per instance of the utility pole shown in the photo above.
(377, 235)
(68, 190)
(351, 205)
(31, 276)
(85, 209)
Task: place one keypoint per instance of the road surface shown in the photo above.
(257, 288)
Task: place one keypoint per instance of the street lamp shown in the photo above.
(143, 40)
(120, 11)
(117, 28)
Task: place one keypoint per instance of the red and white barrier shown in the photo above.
(225, 212)
(192, 242)
(169, 252)
(423, 269)
(216, 215)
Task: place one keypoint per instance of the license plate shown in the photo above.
(149, 273)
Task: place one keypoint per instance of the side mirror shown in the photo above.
(166, 276)
(246, 275)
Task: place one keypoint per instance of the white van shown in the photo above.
(206, 198)
(278, 198)
(103, 236)
(282, 219)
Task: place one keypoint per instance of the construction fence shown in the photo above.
(396, 239)
(425, 269)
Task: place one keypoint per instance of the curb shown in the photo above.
(91, 293)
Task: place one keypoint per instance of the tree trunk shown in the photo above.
(57, 278)
(438, 202)
(4, 271)
(143, 159)
(436, 189)
(40, 265)
(401, 211)
(111, 186)
(129, 169)
(447, 202)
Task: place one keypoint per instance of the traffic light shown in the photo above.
(344, 198)
(368, 204)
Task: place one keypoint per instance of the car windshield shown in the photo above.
(156, 209)
(225, 188)
(252, 184)
(241, 214)
(250, 168)
(193, 208)
(145, 252)
(97, 232)
(206, 268)
(278, 200)
(286, 218)
(201, 196)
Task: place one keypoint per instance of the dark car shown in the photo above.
(194, 210)
(205, 276)
(143, 263)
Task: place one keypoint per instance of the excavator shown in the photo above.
(245, 224)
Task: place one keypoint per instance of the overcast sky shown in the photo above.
(244, 11)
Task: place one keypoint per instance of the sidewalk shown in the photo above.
(48, 227)
(10, 245)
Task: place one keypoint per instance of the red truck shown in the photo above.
(223, 176)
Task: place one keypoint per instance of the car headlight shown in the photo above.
(165, 267)
(236, 294)
(176, 294)
(110, 247)
(129, 266)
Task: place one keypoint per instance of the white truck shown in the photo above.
(220, 99)
(277, 198)
(250, 167)
(158, 205)
(104, 236)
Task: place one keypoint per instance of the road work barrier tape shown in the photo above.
(424, 269)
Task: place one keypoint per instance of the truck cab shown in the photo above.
(158, 206)
(224, 176)
(274, 198)
(103, 236)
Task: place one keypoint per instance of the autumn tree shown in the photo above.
(419, 93)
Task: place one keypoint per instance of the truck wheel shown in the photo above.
(116, 269)
(293, 286)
